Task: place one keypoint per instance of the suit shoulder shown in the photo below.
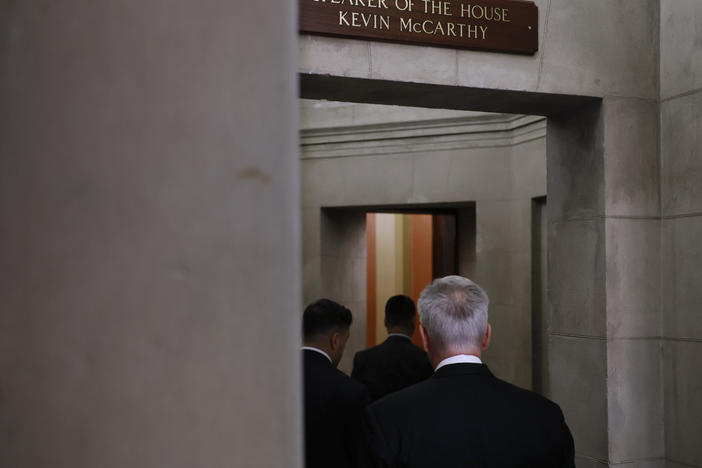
(530, 398)
(498, 390)
(330, 382)
(370, 355)
(363, 353)
(352, 386)
(523, 392)
(417, 350)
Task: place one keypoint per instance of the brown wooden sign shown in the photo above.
(495, 25)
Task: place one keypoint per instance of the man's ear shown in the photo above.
(425, 339)
(486, 340)
(335, 341)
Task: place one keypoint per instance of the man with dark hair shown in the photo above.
(464, 416)
(334, 402)
(396, 363)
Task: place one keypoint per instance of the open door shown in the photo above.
(405, 253)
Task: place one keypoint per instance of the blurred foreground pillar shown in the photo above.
(149, 257)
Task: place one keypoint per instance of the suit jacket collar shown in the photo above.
(450, 370)
(398, 339)
(316, 357)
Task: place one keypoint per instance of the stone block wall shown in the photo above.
(681, 238)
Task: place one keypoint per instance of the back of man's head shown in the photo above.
(400, 313)
(453, 311)
(324, 317)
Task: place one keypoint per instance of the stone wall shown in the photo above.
(681, 249)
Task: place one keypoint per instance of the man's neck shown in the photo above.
(403, 335)
(399, 331)
(459, 359)
(436, 358)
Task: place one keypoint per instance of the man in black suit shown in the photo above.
(463, 416)
(334, 402)
(396, 363)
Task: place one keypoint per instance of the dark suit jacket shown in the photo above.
(465, 417)
(394, 364)
(334, 405)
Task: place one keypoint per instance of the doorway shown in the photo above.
(406, 251)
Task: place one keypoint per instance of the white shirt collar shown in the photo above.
(400, 334)
(310, 348)
(459, 358)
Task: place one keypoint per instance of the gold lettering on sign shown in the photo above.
(437, 7)
(363, 20)
(377, 4)
(363, 3)
(404, 5)
(434, 28)
(492, 13)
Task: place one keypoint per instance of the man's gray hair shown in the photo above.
(453, 311)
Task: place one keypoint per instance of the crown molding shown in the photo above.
(485, 131)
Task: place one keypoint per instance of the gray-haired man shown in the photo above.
(463, 416)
